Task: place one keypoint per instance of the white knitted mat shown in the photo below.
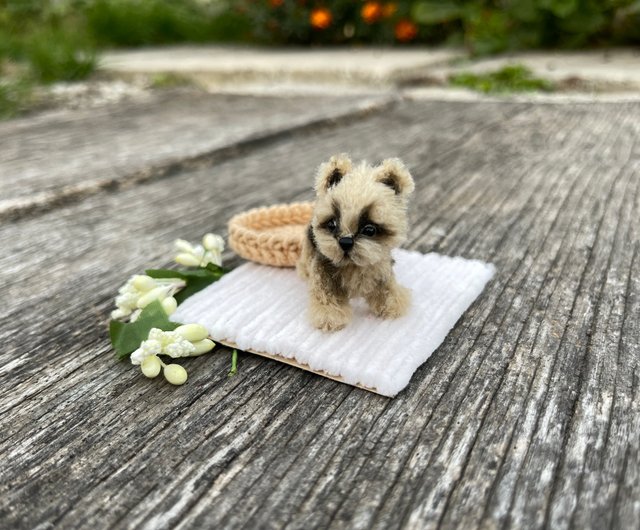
(263, 309)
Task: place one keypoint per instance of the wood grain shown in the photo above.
(63, 156)
(527, 416)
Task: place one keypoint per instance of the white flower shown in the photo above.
(147, 348)
(213, 242)
(163, 343)
(183, 246)
(172, 344)
(188, 260)
(192, 332)
(140, 290)
(118, 313)
(175, 374)
(200, 255)
(169, 305)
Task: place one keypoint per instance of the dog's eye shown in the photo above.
(369, 230)
(331, 225)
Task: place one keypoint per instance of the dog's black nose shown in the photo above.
(346, 243)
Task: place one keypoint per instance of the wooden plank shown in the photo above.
(526, 416)
(54, 158)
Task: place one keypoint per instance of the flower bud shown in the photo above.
(203, 346)
(192, 332)
(118, 313)
(213, 256)
(143, 283)
(213, 242)
(183, 246)
(169, 305)
(175, 374)
(159, 293)
(151, 366)
(188, 260)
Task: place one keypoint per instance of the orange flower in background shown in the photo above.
(371, 12)
(276, 3)
(389, 9)
(406, 30)
(320, 18)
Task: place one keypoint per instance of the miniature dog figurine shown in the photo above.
(360, 214)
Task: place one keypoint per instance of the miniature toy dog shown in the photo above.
(360, 214)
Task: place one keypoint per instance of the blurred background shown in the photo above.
(44, 41)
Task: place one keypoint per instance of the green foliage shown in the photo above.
(626, 23)
(139, 23)
(56, 55)
(9, 45)
(485, 26)
(487, 31)
(436, 12)
(126, 337)
(15, 96)
(48, 38)
(494, 26)
(196, 278)
(512, 78)
(58, 39)
(169, 80)
(329, 22)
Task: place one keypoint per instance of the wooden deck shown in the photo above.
(527, 416)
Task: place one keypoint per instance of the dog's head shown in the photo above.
(360, 212)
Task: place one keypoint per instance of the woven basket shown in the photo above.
(271, 235)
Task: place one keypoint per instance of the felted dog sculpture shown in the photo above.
(360, 214)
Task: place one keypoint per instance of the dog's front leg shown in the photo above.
(328, 301)
(389, 299)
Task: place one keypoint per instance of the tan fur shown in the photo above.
(356, 198)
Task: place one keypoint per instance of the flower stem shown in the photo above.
(234, 363)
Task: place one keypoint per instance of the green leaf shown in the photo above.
(435, 12)
(161, 274)
(216, 269)
(209, 271)
(126, 337)
(196, 279)
(194, 284)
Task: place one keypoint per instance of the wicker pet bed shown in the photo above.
(271, 235)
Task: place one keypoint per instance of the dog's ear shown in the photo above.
(393, 173)
(331, 173)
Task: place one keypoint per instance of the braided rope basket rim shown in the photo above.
(270, 235)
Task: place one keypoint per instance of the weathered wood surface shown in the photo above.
(527, 416)
(65, 155)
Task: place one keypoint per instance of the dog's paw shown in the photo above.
(330, 318)
(394, 305)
